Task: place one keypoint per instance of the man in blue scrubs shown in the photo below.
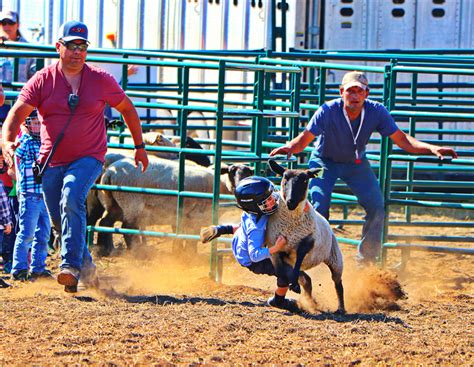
(343, 127)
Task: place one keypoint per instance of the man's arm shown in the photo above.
(18, 113)
(296, 145)
(130, 116)
(411, 145)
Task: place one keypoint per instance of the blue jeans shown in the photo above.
(34, 229)
(65, 190)
(362, 181)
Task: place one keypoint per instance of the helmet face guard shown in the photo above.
(257, 195)
(33, 125)
(270, 204)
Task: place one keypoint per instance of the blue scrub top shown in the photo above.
(335, 139)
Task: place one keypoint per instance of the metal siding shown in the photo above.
(437, 32)
(151, 22)
(345, 32)
(257, 27)
(295, 23)
(466, 33)
(193, 19)
(214, 26)
(392, 31)
(236, 21)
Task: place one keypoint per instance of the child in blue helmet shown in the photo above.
(257, 197)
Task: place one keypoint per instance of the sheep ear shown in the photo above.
(224, 169)
(275, 167)
(315, 172)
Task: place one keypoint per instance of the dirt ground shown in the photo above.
(156, 309)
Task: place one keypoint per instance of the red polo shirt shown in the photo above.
(48, 91)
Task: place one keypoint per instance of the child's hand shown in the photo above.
(208, 234)
(280, 243)
(8, 229)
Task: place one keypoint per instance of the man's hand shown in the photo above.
(285, 149)
(440, 152)
(141, 156)
(8, 229)
(9, 152)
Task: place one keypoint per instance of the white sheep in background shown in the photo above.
(94, 207)
(137, 210)
(310, 238)
(95, 210)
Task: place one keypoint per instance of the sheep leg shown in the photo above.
(130, 240)
(95, 210)
(305, 281)
(305, 245)
(105, 241)
(337, 279)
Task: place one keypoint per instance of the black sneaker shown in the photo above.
(21, 275)
(44, 274)
(286, 304)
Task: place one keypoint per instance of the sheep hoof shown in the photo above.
(340, 311)
(295, 287)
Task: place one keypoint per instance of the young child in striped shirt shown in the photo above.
(34, 224)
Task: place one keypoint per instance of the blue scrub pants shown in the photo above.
(362, 181)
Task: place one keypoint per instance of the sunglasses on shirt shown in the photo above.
(8, 22)
(71, 46)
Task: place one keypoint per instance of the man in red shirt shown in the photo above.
(78, 157)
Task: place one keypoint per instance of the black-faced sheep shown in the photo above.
(137, 210)
(310, 238)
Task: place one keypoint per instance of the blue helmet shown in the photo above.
(257, 195)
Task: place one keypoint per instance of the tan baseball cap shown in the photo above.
(355, 79)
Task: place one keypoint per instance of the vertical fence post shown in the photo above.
(412, 132)
(124, 83)
(215, 264)
(258, 121)
(385, 171)
(182, 122)
(295, 82)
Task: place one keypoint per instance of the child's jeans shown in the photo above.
(266, 267)
(34, 231)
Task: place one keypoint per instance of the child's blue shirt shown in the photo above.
(247, 244)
